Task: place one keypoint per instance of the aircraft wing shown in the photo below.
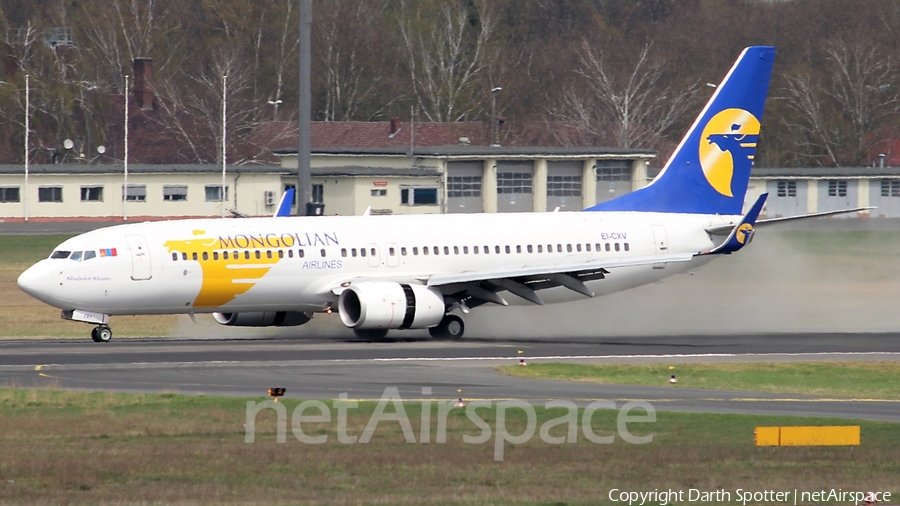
(483, 285)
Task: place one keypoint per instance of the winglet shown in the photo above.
(742, 233)
(284, 207)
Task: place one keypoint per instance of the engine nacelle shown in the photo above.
(388, 305)
(262, 319)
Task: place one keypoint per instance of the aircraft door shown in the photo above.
(661, 240)
(393, 254)
(374, 260)
(140, 257)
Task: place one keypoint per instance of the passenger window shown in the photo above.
(465, 250)
(507, 250)
(373, 252)
(617, 246)
(353, 252)
(362, 252)
(626, 246)
(343, 252)
(174, 257)
(194, 255)
(268, 253)
(487, 250)
(235, 255)
(215, 255)
(301, 253)
(425, 250)
(391, 251)
(518, 249)
(184, 256)
(530, 250)
(225, 255)
(437, 250)
(578, 248)
(280, 254)
(415, 250)
(403, 250)
(497, 249)
(258, 255)
(598, 246)
(474, 250)
(587, 247)
(322, 252)
(246, 255)
(446, 250)
(607, 246)
(456, 250)
(205, 255)
(290, 253)
(568, 248)
(540, 248)
(559, 248)
(549, 248)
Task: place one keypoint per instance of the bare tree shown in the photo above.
(629, 108)
(444, 58)
(844, 116)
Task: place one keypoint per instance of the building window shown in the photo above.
(513, 182)
(91, 193)
(787, 188)
(175, 192)
(378, 192)
(214, 193)
(318, 193)
(50, 194)
(613, 170)
(564, 186)
(889, 188)
(463, 186)
(837, 188)
(419, 195)
(292, 187)
(9, 194)
(135, 193)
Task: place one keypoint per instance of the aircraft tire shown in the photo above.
(370, 333)
(104, 334)
(451, 327)
(94, 335)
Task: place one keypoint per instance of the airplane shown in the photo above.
(382, 273)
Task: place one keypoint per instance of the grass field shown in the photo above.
(61, 447)
(872, 380)
(17, 253)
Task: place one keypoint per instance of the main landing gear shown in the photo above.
(451, 327)
(101, 334)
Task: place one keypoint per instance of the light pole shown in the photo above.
(275, 103)
(224, 102)
(125, 189)
(494, 115)
(27, 128)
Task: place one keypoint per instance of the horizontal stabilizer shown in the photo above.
(742, 233)
(726, 229)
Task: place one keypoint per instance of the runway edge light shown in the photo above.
(276, 392)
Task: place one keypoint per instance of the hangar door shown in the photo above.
(613, 179)
(837, 194)
(564, 185)
(464, 187)
(514, 186)
(786, 198)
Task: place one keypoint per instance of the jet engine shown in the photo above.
(388, 305)
(262, 319)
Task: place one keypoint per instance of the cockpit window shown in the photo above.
(76, 255)
(89, 255)
(61, 254)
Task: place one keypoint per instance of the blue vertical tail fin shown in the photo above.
(710, 169)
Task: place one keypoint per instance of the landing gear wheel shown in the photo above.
(451, 327)
(101, 334)
(370, 333)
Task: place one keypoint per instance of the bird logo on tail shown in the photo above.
(731, 137)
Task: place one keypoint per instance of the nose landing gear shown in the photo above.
(101, 334)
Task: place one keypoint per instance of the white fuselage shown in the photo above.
(297, 263)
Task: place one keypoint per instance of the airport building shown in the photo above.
(452, 179)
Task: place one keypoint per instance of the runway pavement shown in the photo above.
(324, 368)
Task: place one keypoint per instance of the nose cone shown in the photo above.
(36, 281)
